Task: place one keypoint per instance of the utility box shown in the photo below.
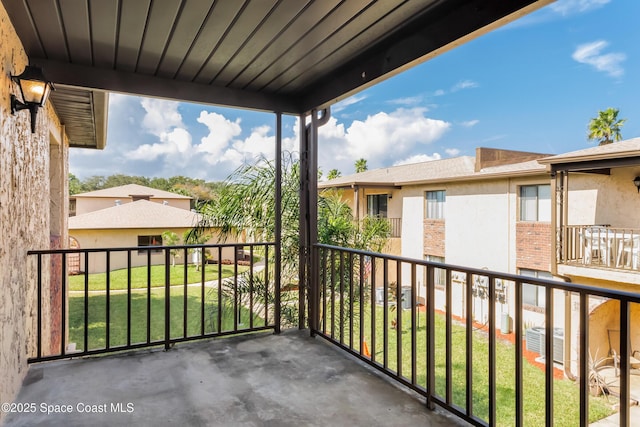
(406, 297)
(535, 338)
(505, 324)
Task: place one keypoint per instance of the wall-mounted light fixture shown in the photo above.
(35, 90)
(636, 182)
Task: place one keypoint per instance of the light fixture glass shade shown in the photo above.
(34, 86)
(636, 182)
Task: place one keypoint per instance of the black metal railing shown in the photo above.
(601, 246)
(134, 297)
(443, 341)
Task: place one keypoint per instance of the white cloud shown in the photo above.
(380, 138)
(453, 152)
(470, 123)
(221, 134)
(464, 84)
(176, 143)
(408, 101)
(339, 106)
(161, 115)
(569, 7)
(590, 54)
(418, 158)
(439, 92)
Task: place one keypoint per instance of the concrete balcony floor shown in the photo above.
(253, 380)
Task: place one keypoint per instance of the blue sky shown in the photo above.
(532, 85)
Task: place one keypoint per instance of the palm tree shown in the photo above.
(333, 174)
(606, 127)
(361, 165)
(245, 204)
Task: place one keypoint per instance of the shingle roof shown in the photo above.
(629, 147)
(457, 168)
(132, 190)
(139, 214)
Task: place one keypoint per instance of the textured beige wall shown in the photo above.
(24, 213)
(605, 199)
(90, 204)
(128, 238)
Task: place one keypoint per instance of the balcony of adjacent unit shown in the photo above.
(596, 213)
(602, 252)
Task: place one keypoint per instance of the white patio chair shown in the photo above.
(596, 245)
(628, 252)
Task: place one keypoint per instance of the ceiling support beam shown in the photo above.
(144, 85)
(596, 166)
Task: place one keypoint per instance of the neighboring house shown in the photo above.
(105, 198)
(501, 211)
(140, 223)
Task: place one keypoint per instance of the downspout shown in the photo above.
(557, 199)
(558, 252)
(309, 214)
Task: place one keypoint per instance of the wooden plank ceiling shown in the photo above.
(273, 55)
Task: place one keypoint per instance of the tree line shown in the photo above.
(200, 190)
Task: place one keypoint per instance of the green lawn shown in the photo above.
(118, 316)
(566, 393)
(139, 279)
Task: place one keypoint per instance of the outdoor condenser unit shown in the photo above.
(535, 338)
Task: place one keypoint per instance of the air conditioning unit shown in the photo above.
(535, 338)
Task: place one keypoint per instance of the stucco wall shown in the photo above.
(25, 205)
(479, 225)
(90, 204)
(128, 238)
(605, 199)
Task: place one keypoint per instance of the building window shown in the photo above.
(535, 203)
(377, 205)
(435, 204)
(149, 241)
(533, 295)
(439, 274)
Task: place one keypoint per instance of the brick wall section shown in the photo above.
(533, 245)
(434, 243)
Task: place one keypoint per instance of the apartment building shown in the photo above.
(573, 217)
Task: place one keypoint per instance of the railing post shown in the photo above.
(431, 337)
(625, 371)
(278, 225)
(167, 301)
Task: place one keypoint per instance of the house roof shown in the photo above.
(139, 214)
(287, 56)
(435, 171)
(125, 191)
(629, 147)
(596, 159)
